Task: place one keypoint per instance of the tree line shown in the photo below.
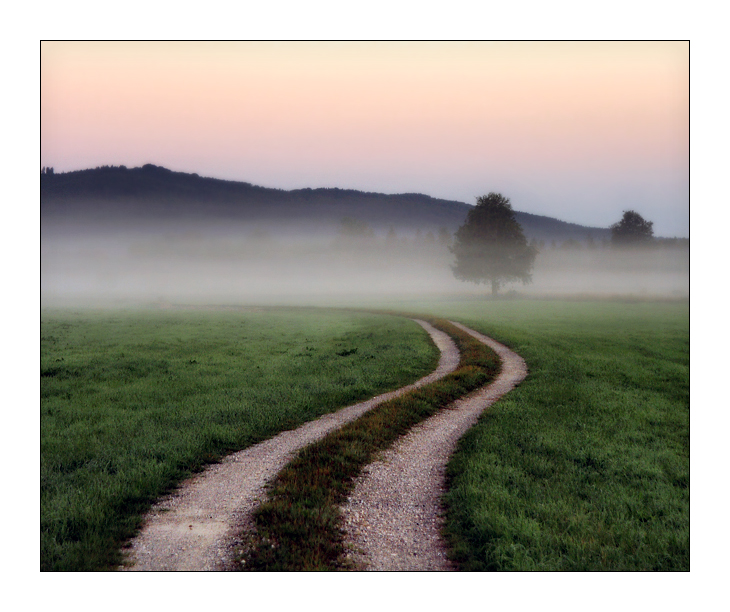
(491, 248)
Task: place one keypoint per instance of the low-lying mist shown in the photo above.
(247, 264)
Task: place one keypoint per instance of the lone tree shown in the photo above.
(632, 229)
(491, 247)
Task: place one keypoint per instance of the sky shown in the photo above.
(580, 131)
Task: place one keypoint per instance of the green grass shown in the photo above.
(133, 402)
(299, 527)
(585, 466)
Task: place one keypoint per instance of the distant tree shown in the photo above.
(353, 235)
(355, 229)
(571, 244)
(491, 247)
(391, 238)
(444, 236)
(632, 229)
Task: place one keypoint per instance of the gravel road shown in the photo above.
(199, 527)
(393, 518)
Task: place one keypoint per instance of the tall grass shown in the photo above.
(133, 402)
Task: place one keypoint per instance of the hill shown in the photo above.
(153, 194)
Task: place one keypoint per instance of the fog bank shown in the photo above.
(239, 264)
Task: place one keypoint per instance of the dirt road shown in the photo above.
(393, 517)
(198, 527)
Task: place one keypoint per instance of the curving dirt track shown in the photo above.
(393, 518)
(197, 528)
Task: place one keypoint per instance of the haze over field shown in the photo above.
(237, 263)
(188, 190)
(578, 132)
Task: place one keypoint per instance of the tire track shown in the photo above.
(199, 527)
(393, 518)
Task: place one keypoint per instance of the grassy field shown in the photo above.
(299, 526)
(585, 466)
(132, 402)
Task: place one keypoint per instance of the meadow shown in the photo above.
(585, 466)
(298, 528)
(132, 402)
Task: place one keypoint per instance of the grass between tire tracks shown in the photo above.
(299, 527)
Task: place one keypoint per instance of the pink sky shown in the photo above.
(578, 131)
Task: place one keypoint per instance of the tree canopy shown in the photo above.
(632, 229)
(491, 246)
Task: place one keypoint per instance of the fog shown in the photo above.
(243, 263)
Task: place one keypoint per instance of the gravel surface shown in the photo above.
(393, 518)
(200, 526)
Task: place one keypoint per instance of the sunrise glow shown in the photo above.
(578, 131)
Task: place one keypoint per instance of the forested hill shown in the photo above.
(151, 192)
